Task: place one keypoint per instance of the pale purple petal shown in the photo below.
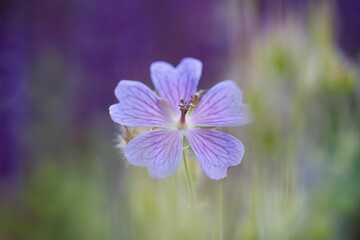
(221, 106)
(215, 151)
(159, 150)
(177, 83)
(138, 106)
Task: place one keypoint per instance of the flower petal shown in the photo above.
(216, 151)
(138, 107)
(221, 106)
(177, 83)
(159, 150)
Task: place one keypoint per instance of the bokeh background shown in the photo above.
(62, 173)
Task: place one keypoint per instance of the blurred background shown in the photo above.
(62, 175)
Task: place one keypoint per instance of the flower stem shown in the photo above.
(188, 180)
(221, 199)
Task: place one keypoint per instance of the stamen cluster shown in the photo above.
(185, 105)
(184, 108)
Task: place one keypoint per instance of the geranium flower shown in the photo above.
(175, 114)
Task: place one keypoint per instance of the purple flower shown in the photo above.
(176, 114)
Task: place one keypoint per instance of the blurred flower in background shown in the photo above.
(297, 62)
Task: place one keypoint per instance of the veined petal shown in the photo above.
(221, 106)
(138, 106)
(177, 83)
(215, 151)
(159, 150)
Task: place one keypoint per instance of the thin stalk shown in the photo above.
(221, 200)
(188, 180)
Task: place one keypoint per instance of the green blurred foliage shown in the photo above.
(59, 204)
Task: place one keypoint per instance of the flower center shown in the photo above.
(184, 108)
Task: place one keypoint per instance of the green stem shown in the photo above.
(188, 180)
(221, 199)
